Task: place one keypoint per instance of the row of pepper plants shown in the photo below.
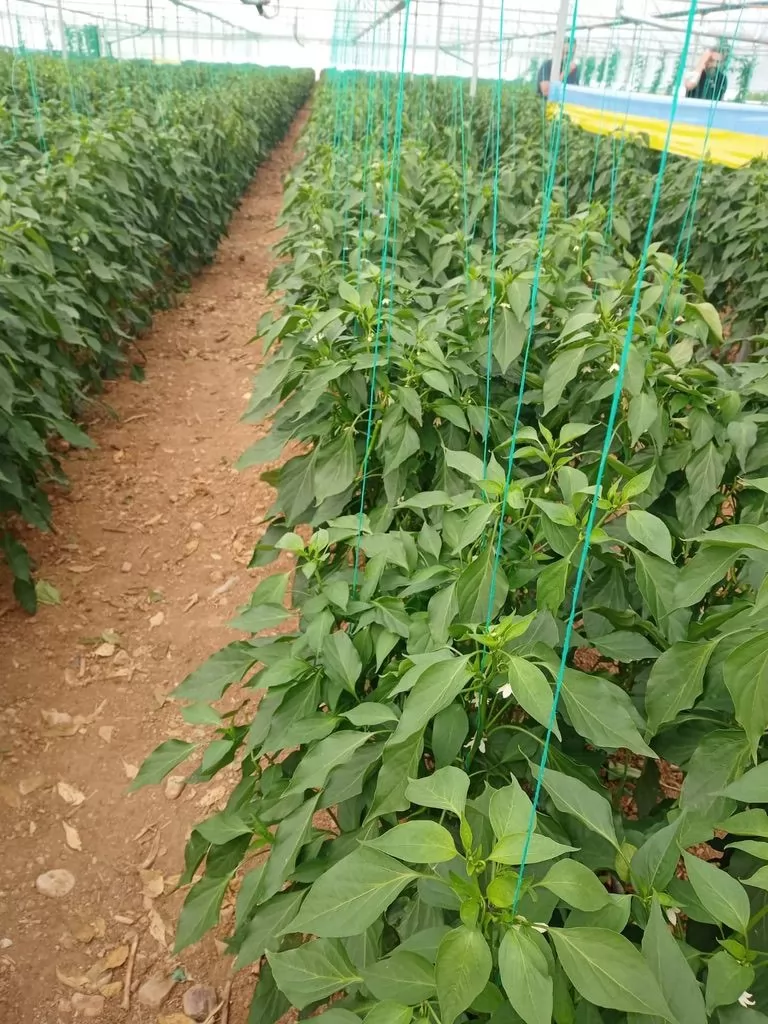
(375, 839)
(116, 183)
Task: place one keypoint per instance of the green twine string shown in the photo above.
(609, 429)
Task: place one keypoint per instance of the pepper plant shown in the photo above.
(387, 856)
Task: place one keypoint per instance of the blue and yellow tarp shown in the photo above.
(725, 133)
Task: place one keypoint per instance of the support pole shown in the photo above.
(415, 4)
(437, 39)
(476, 51)
(556, 75)
(62, 31)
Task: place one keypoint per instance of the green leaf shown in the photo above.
(352, 894)
(598, 713)
(651, 532)
(399, 762)
(404, 975)
(266, 449)
(46, 593)
(270, 920)
(722, 896)
(561, 371)
(160, 762)
(699, 576)
(745, 674)
(737, 536)
(653, 865)
(312, 971)
(510, 810)
(675, 682)
(572, 796)
(726, 980)
(556, 511)
(336, 467)
(349, 294)
(462, 970)
(417, 842)
(289, 838)
(340, 660)
(550, 586)
(268, 1004)
(512, 849)
(525, 976)
(370, 713)
(576, 885)
(704, 473)
(626, 646)
(221, 670)
(672, 971)
(200, 911)
(449, 731)
(480, 588)
(531, 690)
(260, 617)
(747, 823)
(389, 1012)
(607, 970)
(760, 878)
(643, 410)
(752, 787)
(508, 337)
(711, 318)
(435, 690)
(754, 849)
(320, 760)
(445, 789)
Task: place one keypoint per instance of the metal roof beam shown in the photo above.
(394, 9)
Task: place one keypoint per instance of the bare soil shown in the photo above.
(150, 557)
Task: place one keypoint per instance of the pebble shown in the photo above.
(89, 1006)
(155, 990)
(57, 883)
(199, 1002)
(126, 567)
(174, 786)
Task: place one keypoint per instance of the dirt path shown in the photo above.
(150, 558)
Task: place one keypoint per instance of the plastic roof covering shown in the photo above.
(322, 33)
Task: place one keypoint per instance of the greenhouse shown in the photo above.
(384, 511)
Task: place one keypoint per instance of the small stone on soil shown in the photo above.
(89, 1006)
(55, 883)
(199, 1002)
(174, 786)
(155, 990)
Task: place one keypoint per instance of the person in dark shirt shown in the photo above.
(708, 82)
(545, 72)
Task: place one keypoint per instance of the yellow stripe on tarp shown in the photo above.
(721, 146)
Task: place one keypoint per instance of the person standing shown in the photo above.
(709, 81)
(545, 72)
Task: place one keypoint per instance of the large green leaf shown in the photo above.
(312, 971)
(510, 810)
(400, 761)
(435, 690)
(200, 911)
(405, 976)
(291, 834)
(417, 842)
(161, 762)
(519, 848)
(752, 787)
(676, 680)
(462, 970)
(525, 976)
(653, 865)
(576, 885)
(530, 689)
(599, 714)
(320, 760)
(352, 894)
(572, 796)
(722, 896)
(606, 969)
(221, 670)
(269, 921)
(745, 673)
(446, 789)
(340, 660)
(673, 973)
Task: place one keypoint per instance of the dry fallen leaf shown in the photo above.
(161, 697)
(116, 958)
(81, 569)
(112, 990)
(29, 785)
(106, 732)
(60, 723)
(191, 603)
(105, 650)
(84, 933)
(72, 837)
(9, 796)
(157, 620)
(152, 883)
(157, 927)
(76, 981)
(70, 794)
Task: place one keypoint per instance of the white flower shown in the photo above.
(481, 745)
(541, 928)
(613, 368)
(747, 1000)
(505, 691)
(672, 913)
